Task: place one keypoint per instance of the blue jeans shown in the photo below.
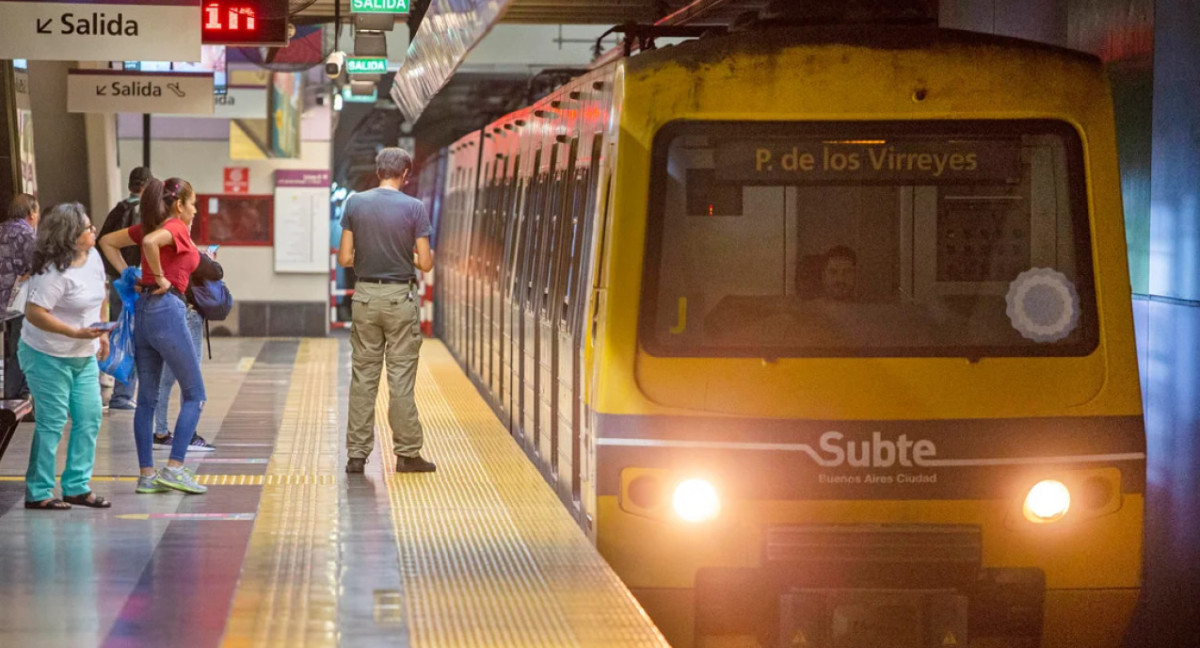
(122, 394)
(62, 388)
(195, 325)
(161, 337)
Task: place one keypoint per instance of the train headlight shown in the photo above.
(696, 500)
(1048, 501)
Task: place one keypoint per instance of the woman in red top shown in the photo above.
(160, 332)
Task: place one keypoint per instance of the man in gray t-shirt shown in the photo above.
(381, 230)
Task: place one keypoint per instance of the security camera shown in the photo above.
(335, 64)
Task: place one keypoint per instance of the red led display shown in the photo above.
(252, 23)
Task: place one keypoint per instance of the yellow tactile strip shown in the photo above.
(226, 480)
(488, 554)
(288, 591)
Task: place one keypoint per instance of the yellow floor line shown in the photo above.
(223, 480)
(489, 556)
(288, 590)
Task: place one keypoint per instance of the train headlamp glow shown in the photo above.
(696, 500)
(1047, 501)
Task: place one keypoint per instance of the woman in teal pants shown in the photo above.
(58, 352)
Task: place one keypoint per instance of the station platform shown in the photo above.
(286, 549)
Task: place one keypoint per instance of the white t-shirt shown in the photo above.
(74, 297)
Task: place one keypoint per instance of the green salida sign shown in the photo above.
(366, 66)
(379, 6)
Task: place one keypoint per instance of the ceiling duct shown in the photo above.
(449, 30)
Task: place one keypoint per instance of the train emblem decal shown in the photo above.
(1043, 305)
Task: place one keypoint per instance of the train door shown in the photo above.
(491, 272)
(593, 325)
(538, 267)
(507, 293)
(550, 308)
(451, 272)
(472, 272)
(526, 251)
(483, 273)
(572, 327)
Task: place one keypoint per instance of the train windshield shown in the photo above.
(935, 238)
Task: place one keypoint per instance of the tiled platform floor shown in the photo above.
(288, 550)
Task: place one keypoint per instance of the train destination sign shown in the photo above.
(112, 30)
(789, 161)
(162, 93)
(379, 6)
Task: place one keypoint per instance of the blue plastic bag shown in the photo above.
(119, 363)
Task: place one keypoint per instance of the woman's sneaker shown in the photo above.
(198, 444)
(147, 484)
(163, 442)
(180, 479)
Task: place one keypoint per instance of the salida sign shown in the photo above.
(113, 30)
(111, 91)
(96, 23)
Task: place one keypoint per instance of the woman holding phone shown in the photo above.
(160, 332)
(58, 352)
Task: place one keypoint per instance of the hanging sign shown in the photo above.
(371, 65)
(379, 6)
(250, 23)
(159, 93)
(115, 30)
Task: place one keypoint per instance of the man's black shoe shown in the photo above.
(414, 464)
(356, 464)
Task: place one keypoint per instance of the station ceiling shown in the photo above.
(558, 12)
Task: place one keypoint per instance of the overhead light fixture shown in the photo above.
(380, 22)
(370, 43)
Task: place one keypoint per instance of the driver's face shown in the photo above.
(838, 279)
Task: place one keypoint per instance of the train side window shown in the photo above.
(513, 205)
(562, 233)
(529, 246)
(584, 231)
(499, 217)
(530, 193)
(537, 263)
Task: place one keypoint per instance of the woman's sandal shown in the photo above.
(87, 499)
(52, 504)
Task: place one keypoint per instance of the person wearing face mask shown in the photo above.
(161, 336)
(58, 352)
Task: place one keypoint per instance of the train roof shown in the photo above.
(768, 40)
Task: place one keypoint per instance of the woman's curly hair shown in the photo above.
(57, 237)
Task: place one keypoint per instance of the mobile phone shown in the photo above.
(103, 326)
(212, 249)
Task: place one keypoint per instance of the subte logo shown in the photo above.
(876, 452)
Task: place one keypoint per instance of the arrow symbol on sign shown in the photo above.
(41, 26)
(102, 90)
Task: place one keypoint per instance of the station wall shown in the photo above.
(266, 302)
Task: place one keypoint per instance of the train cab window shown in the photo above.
(963, 238)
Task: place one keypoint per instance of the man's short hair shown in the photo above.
(841, 252)
(22, 206)
(392, 162)
(138, 178)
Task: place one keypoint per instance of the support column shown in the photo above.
(105, 184)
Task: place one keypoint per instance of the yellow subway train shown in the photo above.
(822, 333)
